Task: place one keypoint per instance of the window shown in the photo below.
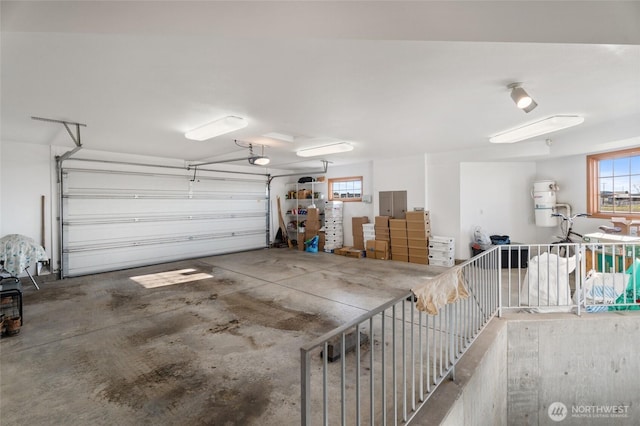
(613, 183)
(345, 189)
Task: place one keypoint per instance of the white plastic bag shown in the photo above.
(546, 284)
(481, 238)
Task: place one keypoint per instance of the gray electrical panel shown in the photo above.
(393, 203)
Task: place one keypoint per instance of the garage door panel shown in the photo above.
(79, 210)
(122, 182)
(107, 234)
(89, 262)
(114, 219)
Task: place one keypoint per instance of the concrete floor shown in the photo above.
(219, 346)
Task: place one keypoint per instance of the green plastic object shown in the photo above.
(632, 293)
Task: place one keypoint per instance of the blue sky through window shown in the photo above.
(620, 175)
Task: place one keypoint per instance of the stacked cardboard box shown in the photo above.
(334, 238)
(368, 232)
(312, 223)
(441, 251)
(356, 229)
(399, 247)
(418, 232)
(381, 228)
(378, 249)
(322, 239)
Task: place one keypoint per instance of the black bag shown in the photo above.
(306, 179)
(500, 240)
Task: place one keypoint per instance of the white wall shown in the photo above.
(443, 180)
(1, 199)
(355, 208)
(26, 176)
(450, 188)
(496, 197)
(570, 173)
(27, 171)
(400, 174)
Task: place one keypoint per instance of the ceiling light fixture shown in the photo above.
(325, 150)
(257, 160)
(279, 136)
(522, 98)
(217, 128)
(542, 127)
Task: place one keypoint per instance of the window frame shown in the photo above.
(331, 181)
(593, 194)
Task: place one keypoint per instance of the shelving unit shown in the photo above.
(299, 197)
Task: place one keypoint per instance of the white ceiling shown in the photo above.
(394, 78)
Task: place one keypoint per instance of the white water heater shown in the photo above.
(544, 201)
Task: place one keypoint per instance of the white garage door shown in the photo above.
(116, 219)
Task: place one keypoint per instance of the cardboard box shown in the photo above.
(301, 241)
(417, 216)
(440, 256)
(437, 239)
(313, 215)
(357, 222)
(421, 252)
(399, 250)
(437, 262)
(421, 243)
(397, 224)
(399, 257)
(350, 252)
(423, 260)
(418, 234)
(399, 242)
(380, 237)
(382, 221)
(304, 194)
(398, 233)
(627, 226)
(312, 224)
(381, 250)
(370, 248)
(310, 233)
(418, 226)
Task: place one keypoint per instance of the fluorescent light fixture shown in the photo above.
(325, 150)
(216, 128)
(279, 136)
(522, 98)
(542, 127)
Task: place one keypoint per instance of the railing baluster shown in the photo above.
(421, 352)
(343, 374)
(413, 363)
(384, 373)
(395, 366)
(325, 387)
(358, 419)
(404, 362)
(371, 373)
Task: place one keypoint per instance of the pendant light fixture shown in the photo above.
(257, 160)
(522, 98)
